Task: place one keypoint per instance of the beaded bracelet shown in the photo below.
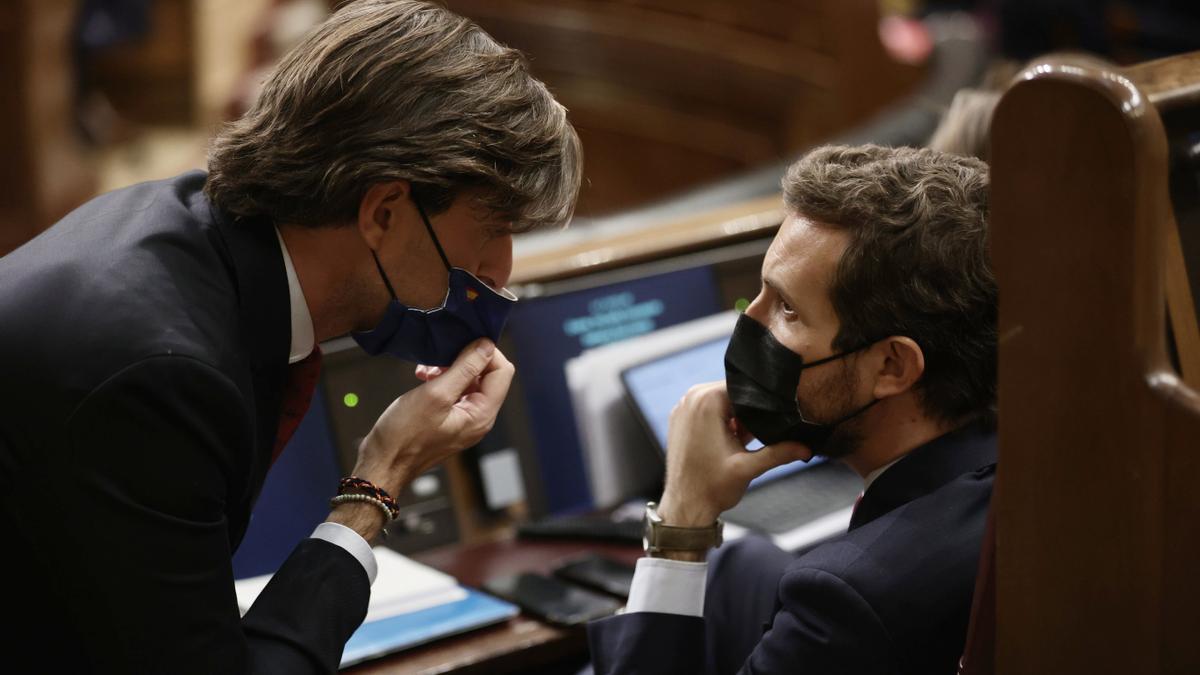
(387, 513)
(356, 485)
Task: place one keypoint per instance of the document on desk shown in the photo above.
(411, 604)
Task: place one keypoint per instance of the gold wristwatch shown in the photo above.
(657, 537)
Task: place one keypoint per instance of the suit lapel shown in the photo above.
(264, 320)
(926, 469)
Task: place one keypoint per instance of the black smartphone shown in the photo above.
(551, 599)
(600, 573)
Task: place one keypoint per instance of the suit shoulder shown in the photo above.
(133, 274)
(914, 567)
(947, 523)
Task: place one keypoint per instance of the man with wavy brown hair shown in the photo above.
(872, 342)
(159, 344)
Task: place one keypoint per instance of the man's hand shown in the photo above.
(708, 466)
(450, 411)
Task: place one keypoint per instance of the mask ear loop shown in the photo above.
(827, 359)
(835, 423)
(382, 274)
(429, 228)
(839, 355)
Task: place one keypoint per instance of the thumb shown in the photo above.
(461, 374)
(775, 455)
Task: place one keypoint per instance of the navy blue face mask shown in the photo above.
(761, 376)
(435, 337)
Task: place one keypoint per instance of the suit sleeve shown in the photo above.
(647, 643)
(148, 461)
(823, 627)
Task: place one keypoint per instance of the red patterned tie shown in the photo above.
(857, 501)
(297, 394)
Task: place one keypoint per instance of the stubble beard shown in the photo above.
(838, 392)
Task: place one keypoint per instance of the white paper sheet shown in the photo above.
(402, 586)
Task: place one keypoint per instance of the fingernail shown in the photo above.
(486, 348)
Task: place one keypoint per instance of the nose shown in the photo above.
(758, 309)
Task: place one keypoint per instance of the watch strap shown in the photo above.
(662, 537)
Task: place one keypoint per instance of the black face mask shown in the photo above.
(761, 376)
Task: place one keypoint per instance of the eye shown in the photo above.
(786, 308)
(776, 299)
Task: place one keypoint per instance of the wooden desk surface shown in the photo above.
(519, 644)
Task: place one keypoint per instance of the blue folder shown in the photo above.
(377, 638)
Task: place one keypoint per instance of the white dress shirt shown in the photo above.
(303, 343)
(677, 587)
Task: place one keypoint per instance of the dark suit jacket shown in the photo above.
(143, 352)
(892, 595)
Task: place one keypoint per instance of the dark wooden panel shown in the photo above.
(153, 80)
(16, 177)
(44, 173)
(789, 20)
(1097, 536)
(1181, 427)
(668, 94)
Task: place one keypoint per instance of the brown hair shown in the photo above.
(398, 90)
(917, 263)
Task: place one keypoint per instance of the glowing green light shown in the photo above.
(350, 399)
(741, 304)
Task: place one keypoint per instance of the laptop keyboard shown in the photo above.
(789, 502)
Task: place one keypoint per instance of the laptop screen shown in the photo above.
(547, 331)
(654, 387)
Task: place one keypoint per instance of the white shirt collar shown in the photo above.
(879, 472)
(303, 339)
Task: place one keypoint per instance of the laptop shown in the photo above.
(798, 504)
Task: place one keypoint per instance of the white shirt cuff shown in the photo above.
(668, 587)
(355, 545)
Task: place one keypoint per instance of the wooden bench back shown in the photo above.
(1097, 506)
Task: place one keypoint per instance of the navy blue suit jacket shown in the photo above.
(143, 353)
(892, 595)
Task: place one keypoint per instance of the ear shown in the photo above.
(902, 366)
(383, 210)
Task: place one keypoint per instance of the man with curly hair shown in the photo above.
(872, 341)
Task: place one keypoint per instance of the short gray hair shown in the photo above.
(917, 263)
(398, 90)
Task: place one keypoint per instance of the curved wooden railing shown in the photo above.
(1097, 511)
(742, 221)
